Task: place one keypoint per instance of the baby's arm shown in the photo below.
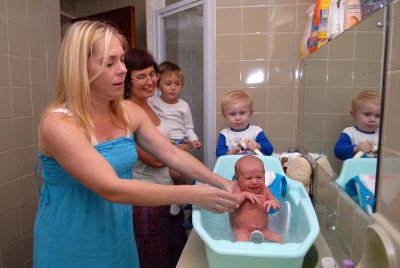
(270, 200)
(243, 195)
(344, 149)
(366, 147)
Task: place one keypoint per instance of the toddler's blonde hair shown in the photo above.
(236, 96)
(370, 96)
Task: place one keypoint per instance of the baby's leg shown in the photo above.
(272, 236)
(241, 234)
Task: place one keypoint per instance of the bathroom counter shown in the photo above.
(194, 253)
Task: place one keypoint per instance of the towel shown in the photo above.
(363, 192)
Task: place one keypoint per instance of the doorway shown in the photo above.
(184, 36)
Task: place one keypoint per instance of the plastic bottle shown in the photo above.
(328, 262)
(323, 23)
(348, 263)
(336, 18)
(352, 13)
(304, 48)
(313, 41)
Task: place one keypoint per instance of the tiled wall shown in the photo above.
(389, 184)
(260, 38)
(341, 220)
(29, 44)
(333, 75)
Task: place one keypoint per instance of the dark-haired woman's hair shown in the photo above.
(137, 59)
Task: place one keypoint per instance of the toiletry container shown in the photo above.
(381, 245)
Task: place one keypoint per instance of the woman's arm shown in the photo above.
(152, 141)
(147, 158)
(60, 138)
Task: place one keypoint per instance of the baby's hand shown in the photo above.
(235, 150)
(252, 197)
(196, 144)
(366, 146)
(251, 145)
(272, 204)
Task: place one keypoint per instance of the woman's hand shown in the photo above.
(214, 199)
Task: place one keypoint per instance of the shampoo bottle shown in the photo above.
(352, 13)
(336, 18)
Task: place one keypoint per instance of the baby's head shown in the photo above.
(250, 174)
(237, 107)
(170, 82)
(366, 110)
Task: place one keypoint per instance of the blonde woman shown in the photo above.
(87, 153)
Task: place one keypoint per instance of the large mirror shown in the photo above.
(334, 74)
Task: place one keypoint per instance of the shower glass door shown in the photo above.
(180, 30)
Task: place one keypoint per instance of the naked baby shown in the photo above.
(250, 220)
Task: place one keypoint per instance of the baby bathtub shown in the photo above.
(222, 251)
(353, 167)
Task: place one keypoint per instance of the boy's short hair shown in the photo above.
(365, 96)
(236, 96)
(168, 67)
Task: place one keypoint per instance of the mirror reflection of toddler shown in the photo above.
(362, 138)
(250, 220)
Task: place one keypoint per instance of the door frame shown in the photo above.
(209, 68)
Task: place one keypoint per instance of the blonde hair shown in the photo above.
(168, 68)
(73, 81)
(236, 96)
(370, 96)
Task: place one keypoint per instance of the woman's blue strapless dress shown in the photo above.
(76, 227)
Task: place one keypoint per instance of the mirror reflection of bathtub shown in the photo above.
(351, 62)
(334, 74)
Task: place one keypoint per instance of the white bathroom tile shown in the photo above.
(3, 14)
(23, 131)
(53, 44)
(5, 103)
(367, 73)
(340, 72)
(18, 40)
(21, 101)
(8, 166)
(25, 160)
(37, 41)
(4, 70)
(9, 197)
(52, 4)
(254, 73)
(316, 72)
(9, 226)
(37, 17)
(332, 200)
(345, 216)
(281, 73)
(28, 213)
(38, 73)
(53, 22)
(27, 241)
(17, 12)
(7, 141)
(3, 38)
(12, 255)
(27, 187)
(20, 75)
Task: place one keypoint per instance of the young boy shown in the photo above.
(250, 220)
(237, 107)
(174, 111)
(364, 135)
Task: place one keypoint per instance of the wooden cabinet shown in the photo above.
(122, 18)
